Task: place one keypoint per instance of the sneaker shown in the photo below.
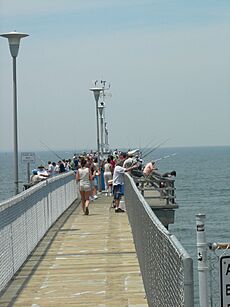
(110, 194)
(117, 210)
(106, 194)
(95, 197)
(91, 198)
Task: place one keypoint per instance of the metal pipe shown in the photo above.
(202, 260)
(28, 172)
(106, 138)
(101, 110)
(102, 135)
(97, 118)
(15, 120)
(14, 42)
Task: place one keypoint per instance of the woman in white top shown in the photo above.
(107, 176)
(83, 176)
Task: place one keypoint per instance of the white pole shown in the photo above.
(14, 42)
(96, 91)
(102, 136)
(101, 109)
(15, 116)
(202, 260)
(106, 138)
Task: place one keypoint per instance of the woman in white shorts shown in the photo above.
(83, 176)
(107, 176)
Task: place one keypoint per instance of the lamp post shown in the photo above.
(14, 42)
(97, 91)
(101, 109)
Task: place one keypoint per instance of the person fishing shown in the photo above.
(118, 182)
(149, 168)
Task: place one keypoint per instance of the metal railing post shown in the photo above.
(188, 283)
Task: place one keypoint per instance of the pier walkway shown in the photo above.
(81, 261)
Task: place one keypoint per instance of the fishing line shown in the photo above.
(40, 159)
(165, 157)
(51, 150)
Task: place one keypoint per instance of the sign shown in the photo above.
(225, 281)
(28, 157)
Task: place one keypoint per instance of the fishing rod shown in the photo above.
(153, 149)
(146, 148)
(51, 150)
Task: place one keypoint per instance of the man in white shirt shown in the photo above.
(118, 183)
(42, 172)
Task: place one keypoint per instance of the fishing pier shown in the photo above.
(53, 255)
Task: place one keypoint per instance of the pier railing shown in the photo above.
(167, 269)
(165, 186)
(25, 218)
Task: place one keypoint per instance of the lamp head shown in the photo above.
(96, 91)
(14, 41)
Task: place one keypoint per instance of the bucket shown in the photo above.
(122, 205)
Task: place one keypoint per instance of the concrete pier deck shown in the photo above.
(82, 261)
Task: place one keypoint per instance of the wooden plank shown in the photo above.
(82, 261)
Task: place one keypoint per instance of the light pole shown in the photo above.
(14, 42)
(97, 91)
(101, 109)
(106, 138)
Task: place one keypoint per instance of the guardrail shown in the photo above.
(164, 185)
(166, 267)
(26, 217)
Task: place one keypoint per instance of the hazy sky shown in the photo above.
(168, 62)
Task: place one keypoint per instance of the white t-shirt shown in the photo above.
(43, 172)
(51, 169)
(84, 177)
(107, 168)
(118, 175)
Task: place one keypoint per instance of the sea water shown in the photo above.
(202, 186)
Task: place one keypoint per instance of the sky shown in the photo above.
(167, 63)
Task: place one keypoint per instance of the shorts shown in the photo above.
(85, 188)
(95, 181)
(117, 191)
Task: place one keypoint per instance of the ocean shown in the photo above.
(202, 186)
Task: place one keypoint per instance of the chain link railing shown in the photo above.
(166, 268)
(26, 217)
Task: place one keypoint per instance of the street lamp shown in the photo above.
(97, 91)
(14, 42)
(101, 109)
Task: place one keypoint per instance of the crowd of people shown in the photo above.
(89, 173)
(112, 168)
(52, 169)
